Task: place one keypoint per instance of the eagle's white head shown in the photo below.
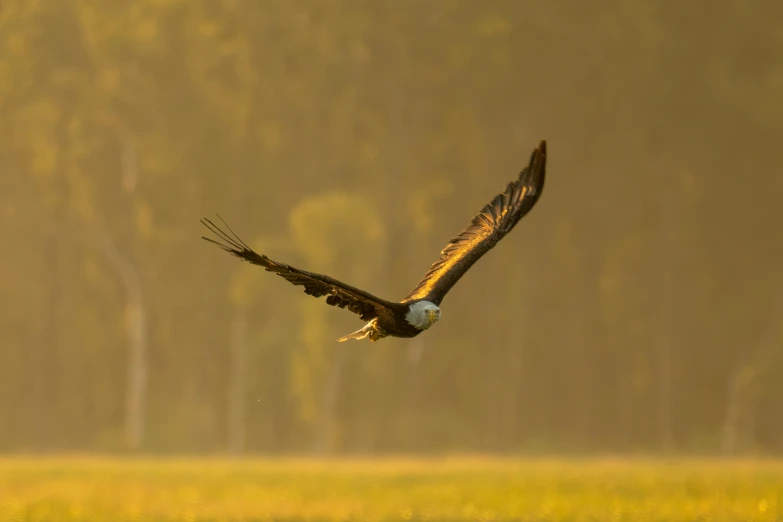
(422, 314)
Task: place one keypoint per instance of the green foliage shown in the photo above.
(326, 232)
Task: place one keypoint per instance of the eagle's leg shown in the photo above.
(369, 330)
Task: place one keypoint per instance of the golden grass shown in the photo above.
(112, 489)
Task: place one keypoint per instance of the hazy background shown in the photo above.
(639, 307)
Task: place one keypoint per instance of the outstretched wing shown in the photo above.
(493, 222)
(338, 293)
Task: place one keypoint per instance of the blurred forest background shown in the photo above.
(639, 307)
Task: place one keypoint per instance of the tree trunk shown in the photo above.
(416, 347)
(236, 385)
(511, 377)
(665, 326)
(738, 430)
(325, 428)
(44, 347)
(732, 432)
(43, 357)
(136, 315)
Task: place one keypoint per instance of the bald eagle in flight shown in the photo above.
(421, 308)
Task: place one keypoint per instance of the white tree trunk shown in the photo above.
(237, 383)
(666, 247)
(734, 430)
(138, 339)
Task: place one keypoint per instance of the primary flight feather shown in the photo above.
(421, 308)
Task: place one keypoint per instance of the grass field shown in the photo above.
(109, 490)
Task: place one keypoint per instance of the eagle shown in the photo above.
(421, 308)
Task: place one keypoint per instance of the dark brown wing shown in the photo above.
(339, 294)
(493, 222)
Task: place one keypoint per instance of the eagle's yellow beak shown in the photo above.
(432, 316)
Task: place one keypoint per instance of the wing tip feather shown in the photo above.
(534, 173)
